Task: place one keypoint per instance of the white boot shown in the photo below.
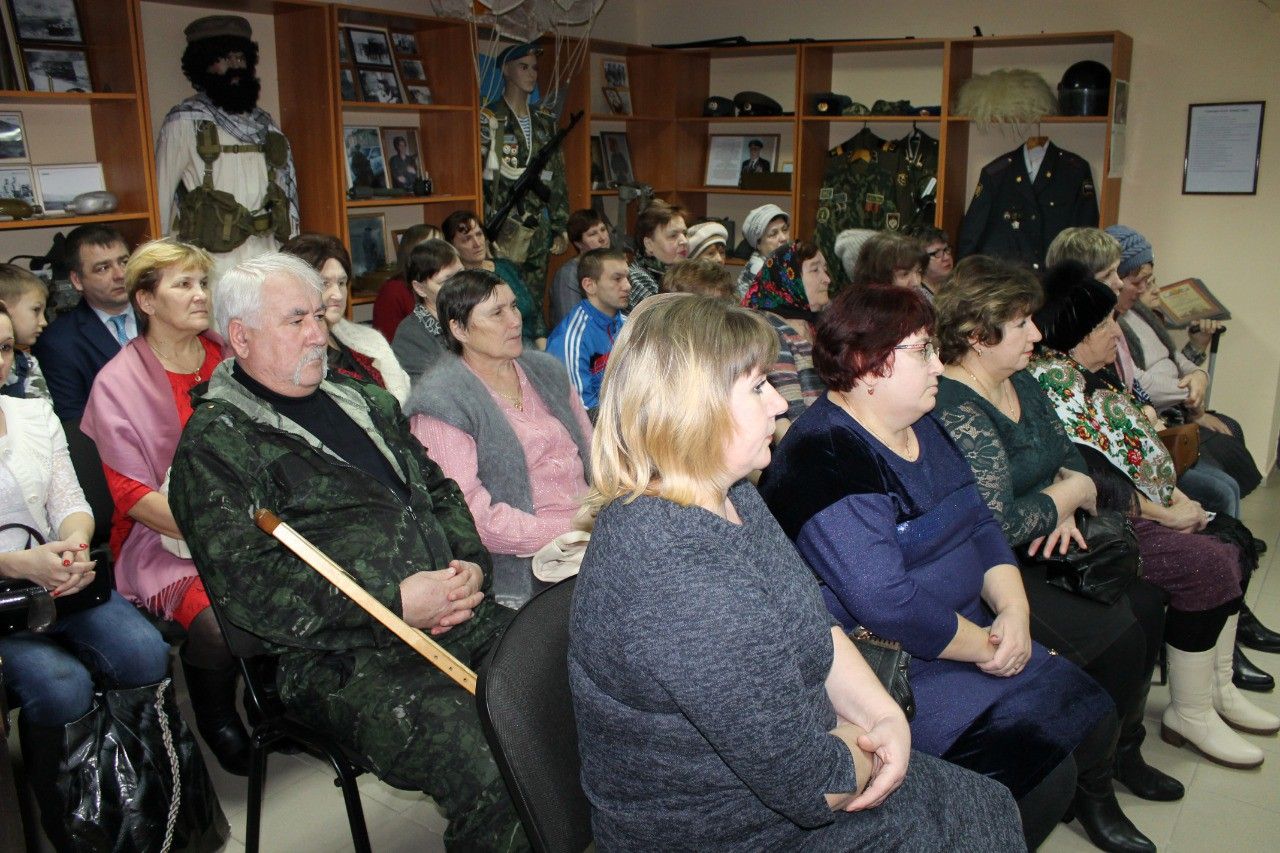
(1191, 718)
(1239, 712)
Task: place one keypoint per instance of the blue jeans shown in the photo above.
(1214, 489)
(51, 675)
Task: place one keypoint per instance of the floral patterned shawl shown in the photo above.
(778, 287)
(1109, 421)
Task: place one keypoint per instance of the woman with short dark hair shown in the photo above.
(885, 511)
(660, 241)
(504, 422)
(419, 340)
(888, 257)
(396, 299)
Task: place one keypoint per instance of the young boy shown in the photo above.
(24, 296)
(583, 340)
(587, 231)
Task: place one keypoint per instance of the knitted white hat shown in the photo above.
(848, 244)
(757, 222)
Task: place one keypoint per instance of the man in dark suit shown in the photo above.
(755, 163)
(76, 345)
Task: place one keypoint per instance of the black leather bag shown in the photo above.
(25, 606)
(1107, 568)
(890, 664)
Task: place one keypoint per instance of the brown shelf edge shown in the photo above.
(72, 221)
(401, 201)
(872, 119)
(1044, 120)
(731, 191)
(49, 98)
(374, 106)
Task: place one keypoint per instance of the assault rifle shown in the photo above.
(530, 180)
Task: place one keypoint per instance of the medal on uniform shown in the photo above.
(893, 220)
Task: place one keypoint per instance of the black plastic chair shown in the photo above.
(274, 729)
(526, 713)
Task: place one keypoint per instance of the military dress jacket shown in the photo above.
(504, 153)
(237, 454)
(1016, 218)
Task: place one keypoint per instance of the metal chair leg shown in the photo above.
(257, 783)
(355, 810)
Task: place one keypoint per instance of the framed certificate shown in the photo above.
(1189, 300)
(1224, 147)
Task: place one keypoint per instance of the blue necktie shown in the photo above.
(117, 322)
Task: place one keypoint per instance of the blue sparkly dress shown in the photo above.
(901, 548)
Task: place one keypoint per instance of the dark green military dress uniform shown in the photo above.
(1013, 217)
(504, 152)
(339, 669)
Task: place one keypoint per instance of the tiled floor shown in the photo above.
(1224, 809)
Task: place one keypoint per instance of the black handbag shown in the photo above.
(890, 664)
(26, 606)
(1107, 568)
(132, 778)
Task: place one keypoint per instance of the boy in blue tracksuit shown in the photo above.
(584, 338)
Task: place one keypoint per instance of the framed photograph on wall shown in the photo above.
(55, 70)
(619, 100)
(13, 139)
(368, 235)
(380, 87)
(47, 20)
(419, 94)
(347, 84)
(57, 185)
(404, 42)
(365, 164)
(17, 182)
(597, 163)
(344, 47)
(370, 45)
(730, 156)
(617, 159)
(615, 73)
(411, 71)
(404, 164)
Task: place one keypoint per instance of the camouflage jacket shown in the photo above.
(503, 163)
(237, 454)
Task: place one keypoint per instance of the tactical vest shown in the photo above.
(215, 220)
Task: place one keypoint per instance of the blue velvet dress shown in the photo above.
(901, 548)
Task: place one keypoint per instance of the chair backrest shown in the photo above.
(526, 712)
(88, 465)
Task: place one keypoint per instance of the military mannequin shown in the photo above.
(510, 133)
(1015, 213)
(224, 170)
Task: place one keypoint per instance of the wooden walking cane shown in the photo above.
(336, 575)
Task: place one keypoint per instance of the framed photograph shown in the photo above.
(617, 159)
(347, 83)
(411, 70)
(368, 235)
(597, 163)
(47, 20)
(396, 236)
(730, 156)
(57, 185)
(344, 47)
(1224, 148)
(17, 182)
(370, 45)
(404, 42)
(404, 164)
(380, 87)
(365, 164)
(419, 94)
(53, 70)
(619, 100)
(615, 73)
(13, 139)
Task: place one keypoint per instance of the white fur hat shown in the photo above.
(848, 244)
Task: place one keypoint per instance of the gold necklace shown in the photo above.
(905, 452)
(173, 359)
(1006, 406)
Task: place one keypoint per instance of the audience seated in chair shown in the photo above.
(24, 296)
(419, 341)
(135, 413)
(504, 422)
(396, 299)
(587, 231)
(334, 458)
(583, 339)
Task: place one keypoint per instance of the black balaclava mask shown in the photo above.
(235, 91)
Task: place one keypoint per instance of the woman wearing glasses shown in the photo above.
(885, 511)
(937, 248)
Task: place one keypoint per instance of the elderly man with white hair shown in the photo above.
(335, 459)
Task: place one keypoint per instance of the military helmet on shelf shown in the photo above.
(1085, 89)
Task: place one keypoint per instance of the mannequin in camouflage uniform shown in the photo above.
(873, 183)
(510, 133)
(335, 459)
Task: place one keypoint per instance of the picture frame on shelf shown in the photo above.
(618, 100)
(404, 43)
(58, 185)
(597, 163)
(367, 233)
(380, 86)
(56, 70)
(420, 95)
(344, 47)
(404, 156)
(47, 20)
(19, 182)
(347, 84)
(617, 158)
(13, 139)
(411, 71)
(729, 157)
(615, 73)
(370, 45)
(396, 236)
(366, 165)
